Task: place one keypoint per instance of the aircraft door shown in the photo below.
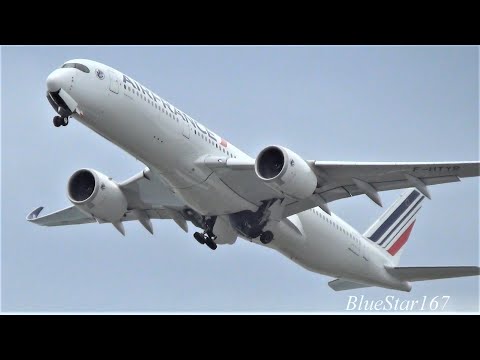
(185, 124)
(114, 82)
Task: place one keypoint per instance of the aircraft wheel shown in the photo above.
(266, 237)
(199, 237)
(211, 244)
(57, 121)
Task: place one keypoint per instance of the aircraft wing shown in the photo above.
(149, 196)
(73, 216)
(68, 216)
(340, 179)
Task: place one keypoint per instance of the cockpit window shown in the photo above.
(76, 66)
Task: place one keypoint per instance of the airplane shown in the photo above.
(277, 200)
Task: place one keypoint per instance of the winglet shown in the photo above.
(34, 214)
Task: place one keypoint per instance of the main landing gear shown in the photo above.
(60, 121)
(207, 237)
(204, 238)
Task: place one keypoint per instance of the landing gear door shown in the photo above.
(114, 82)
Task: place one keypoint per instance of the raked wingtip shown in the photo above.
(34, 214)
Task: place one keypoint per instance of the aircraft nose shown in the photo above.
(56, 80)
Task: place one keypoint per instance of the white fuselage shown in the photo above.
(172, 144)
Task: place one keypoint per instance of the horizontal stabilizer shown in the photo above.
(432, 273)
(342, 284)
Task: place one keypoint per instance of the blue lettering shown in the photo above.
(199, 128)
(211, 135)
(166, 105)
(191, 121)
(126, 79)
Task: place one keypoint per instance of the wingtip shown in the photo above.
(34, 214)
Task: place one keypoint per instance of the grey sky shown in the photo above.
(325, 103)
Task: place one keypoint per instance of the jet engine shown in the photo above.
(286, 172)
(97, 194)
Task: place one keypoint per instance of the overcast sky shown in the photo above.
(325, 103)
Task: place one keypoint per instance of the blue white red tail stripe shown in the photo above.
(394, 215)
(392, 230)
(397, 245)
(409, 215)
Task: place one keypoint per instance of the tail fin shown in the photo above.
(392, 229)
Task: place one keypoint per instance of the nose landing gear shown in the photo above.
(60, 121)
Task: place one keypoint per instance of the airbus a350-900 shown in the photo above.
(277, 199)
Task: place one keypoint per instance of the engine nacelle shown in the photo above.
(286, 172)
(97, 194)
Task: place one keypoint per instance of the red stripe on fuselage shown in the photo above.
(401, 240)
